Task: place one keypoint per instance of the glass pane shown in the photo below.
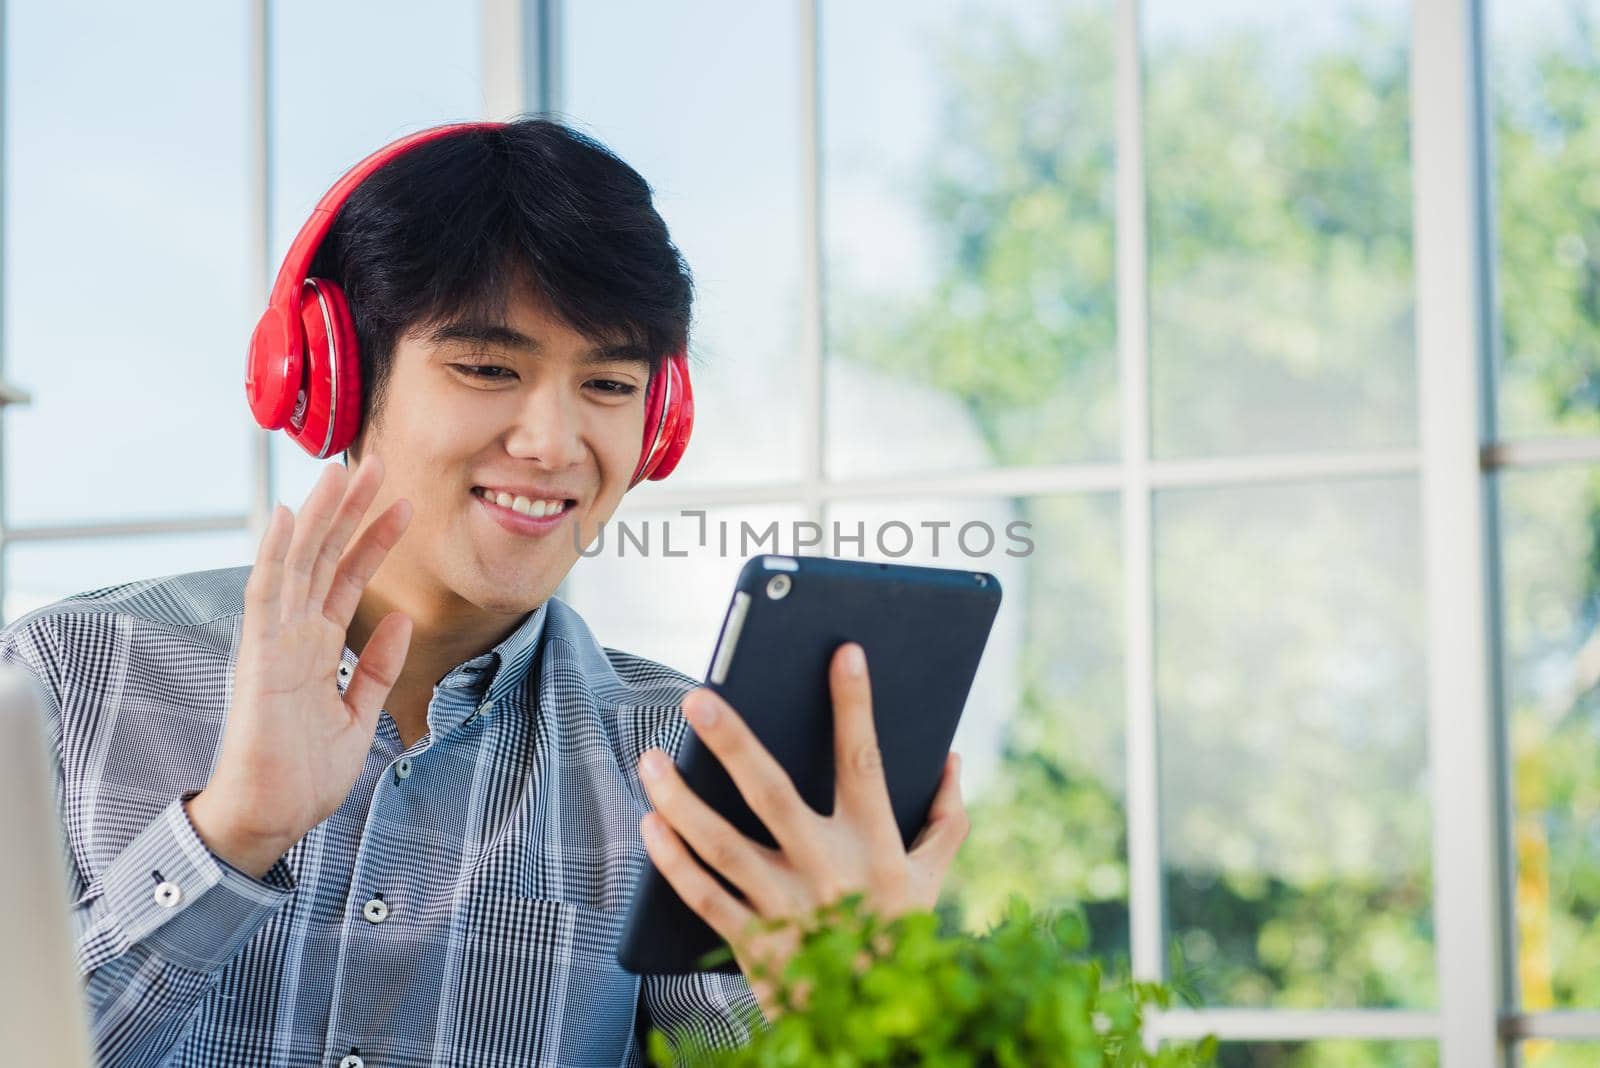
(43, 572)
(651, 586)
(1279, 187)
(391, 68)
(1544, 1054)
(967, 185)
(1543, 77)
(1328, 1054)
(1041, 738)
(128, 263)
(1290, 686)
(1552, 647)
(703, 99)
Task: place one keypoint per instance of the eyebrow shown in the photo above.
(505, 337)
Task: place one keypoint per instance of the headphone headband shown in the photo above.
(296, 267)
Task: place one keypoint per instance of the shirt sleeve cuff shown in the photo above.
(168, 892)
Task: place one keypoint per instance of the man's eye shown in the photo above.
(615, 389)
(487, 371)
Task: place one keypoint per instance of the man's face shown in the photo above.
(502, 436)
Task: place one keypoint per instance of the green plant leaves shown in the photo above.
(861, 993)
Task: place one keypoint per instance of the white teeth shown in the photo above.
(522, 505)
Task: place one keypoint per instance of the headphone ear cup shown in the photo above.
(347, 369)
(681, 421)
(654, 398)
(669, 416)
(330, 416)
(274, 367)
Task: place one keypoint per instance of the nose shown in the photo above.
(547, 429)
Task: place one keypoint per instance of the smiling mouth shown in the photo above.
(535, 509)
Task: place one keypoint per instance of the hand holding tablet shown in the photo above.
(810, 774)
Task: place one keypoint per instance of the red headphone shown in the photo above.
(304, 366)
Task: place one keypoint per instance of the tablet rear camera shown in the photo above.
(778, 587)
(982, 580)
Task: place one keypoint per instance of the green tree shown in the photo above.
(1281, 311)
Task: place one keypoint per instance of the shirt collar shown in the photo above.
(482, 683)
(501, 670)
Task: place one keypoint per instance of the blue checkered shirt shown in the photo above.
(462, 907)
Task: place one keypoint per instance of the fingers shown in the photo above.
(358, 497)
(362, 561)
(723, 913)
(948, 824)
(860, 785)
(746, 864)
(265, 584)
(761, 780)
(310, 527)
(379, 667)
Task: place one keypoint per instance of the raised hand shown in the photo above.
(293, 745)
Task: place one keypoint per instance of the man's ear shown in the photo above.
(352, 452)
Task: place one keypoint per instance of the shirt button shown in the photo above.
(168, 894)
(352, 1061)
(344, 672)
(402, 770)
(375, 910)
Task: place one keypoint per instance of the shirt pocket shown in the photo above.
(540, 985)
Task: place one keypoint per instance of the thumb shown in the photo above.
(379, 667)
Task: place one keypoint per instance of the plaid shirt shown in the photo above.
(462, 907)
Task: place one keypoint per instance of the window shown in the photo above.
(1153, 278)
(729, 184)
(128, 266)
(134, 232)
(1545, 456)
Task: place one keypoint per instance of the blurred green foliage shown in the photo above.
(1280, 285)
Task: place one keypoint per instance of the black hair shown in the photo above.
(451, 227)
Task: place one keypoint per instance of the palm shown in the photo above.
(294, 744)
(317, 739)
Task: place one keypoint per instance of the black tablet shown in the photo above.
(923, 629)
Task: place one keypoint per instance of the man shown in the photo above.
(286, 853)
